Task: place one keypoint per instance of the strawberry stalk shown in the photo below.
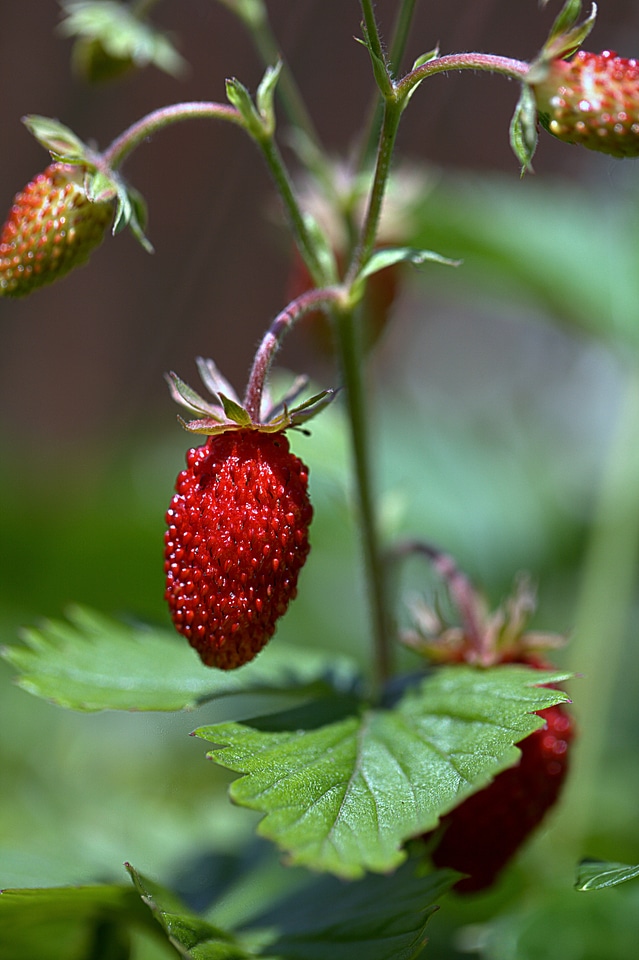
(271, 342)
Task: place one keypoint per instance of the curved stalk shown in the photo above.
(272, 340)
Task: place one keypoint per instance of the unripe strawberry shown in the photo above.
(237, 538)
(592, 99)
(52, 227)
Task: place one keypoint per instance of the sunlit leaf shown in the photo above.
(346, 796)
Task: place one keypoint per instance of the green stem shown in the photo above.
(305, 242)
(388, 135)
(117, 152)
(349, 339)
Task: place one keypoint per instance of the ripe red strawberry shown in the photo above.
(52, 227)
(483, 833)
(592, 99)
(237, 539)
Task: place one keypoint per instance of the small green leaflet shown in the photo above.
(91, 662)
(344, 797)
(599, 874)
(389, 256)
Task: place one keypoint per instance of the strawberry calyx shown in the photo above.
(225, 411)
(482, 636)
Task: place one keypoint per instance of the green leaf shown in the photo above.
(94, 663)
(191, 935)
(389, 256)
(60, 141)
(62, 922)
(523, 129)
(235, 411)
(345, 797)
(599, 874)
(379, 917)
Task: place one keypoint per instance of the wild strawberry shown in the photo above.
(237, 539)
(592, 99)
(52, 227)
(482, 834)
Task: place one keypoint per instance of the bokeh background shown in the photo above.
(504, 404)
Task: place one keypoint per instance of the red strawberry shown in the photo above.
(593, 100)
(483, 833)
(52, 227)
(237, 539)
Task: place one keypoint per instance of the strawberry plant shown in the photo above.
(395, 747)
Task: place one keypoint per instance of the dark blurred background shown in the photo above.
(85, 358)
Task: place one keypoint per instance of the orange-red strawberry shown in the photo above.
(592, 99)
(482, 834)
(237, 538)
(52, 227)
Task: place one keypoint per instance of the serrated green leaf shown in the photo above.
(94, 663)
(59, 140)
(389, 256)
(600, 874)
(377, 918)
(345, 797)
(193, 937)
(61, 922)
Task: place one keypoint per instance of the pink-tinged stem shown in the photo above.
(271, 342)
(142, 129)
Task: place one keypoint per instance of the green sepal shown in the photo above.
(131, 213)
(240, 98)
(301, 414)
(265, 95)
(122, 36)
(565, 37)
(600, 874)
(60, 141)
(523, 129)
(235, 412)
(185, 395)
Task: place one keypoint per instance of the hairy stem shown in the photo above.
(271, 342)
(486, 62)
(117, 152)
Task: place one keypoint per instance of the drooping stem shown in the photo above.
(117, 152)
(486, 62)
(271, 342)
